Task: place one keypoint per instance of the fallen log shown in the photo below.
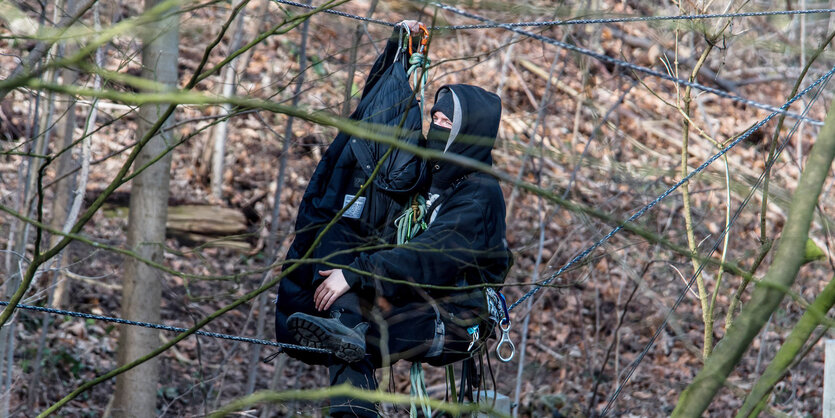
(206, 220)
(211, 226)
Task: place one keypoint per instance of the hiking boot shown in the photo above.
(347, 344)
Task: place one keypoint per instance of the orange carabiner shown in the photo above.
(424, 38)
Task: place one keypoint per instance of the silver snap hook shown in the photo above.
(505, 345)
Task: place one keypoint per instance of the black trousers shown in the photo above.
(405, 332)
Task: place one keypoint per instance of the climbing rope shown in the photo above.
(419, 61)
(165, 327)
(409, 224)
(682, 294)
(411, 221)
(418, 391)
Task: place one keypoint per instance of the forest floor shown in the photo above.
(591, 327)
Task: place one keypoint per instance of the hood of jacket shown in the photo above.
(475, 123)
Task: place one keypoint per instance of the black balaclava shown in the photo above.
(437, 137)
(475, 115)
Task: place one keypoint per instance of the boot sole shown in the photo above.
(312, 335)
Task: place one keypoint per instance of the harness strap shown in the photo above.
(446, 194)
(437, 347)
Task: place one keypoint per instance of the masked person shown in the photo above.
(366, 220)
(463, 246)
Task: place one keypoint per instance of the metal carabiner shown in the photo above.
(400, 37)
(505, 326)
(424, 38)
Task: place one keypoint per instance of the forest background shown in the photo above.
(584, 144)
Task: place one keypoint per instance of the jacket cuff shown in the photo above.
(355, 280)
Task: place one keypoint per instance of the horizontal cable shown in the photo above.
(599, 56)
(336, 12)
(597, 21)
(633, 67)
(629, 19)
(657, 200)
(634, 364)
(166, 328)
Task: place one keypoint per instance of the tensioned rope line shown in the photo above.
(678, 184)
(512, 27)
(615, 61)
(635, 67)
(337, 12)
(628, 19)
(717, 242)
(629, 65)
(166, 327)
(625, 19)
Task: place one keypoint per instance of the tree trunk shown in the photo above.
(789, 350)
(272, 239)
(771, 290)
(136, 389)
(64, 188)
(221, 133)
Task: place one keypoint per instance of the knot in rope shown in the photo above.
(416, 61)
(412, 220)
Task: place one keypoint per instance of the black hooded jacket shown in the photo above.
(465, 242)
(388, 100)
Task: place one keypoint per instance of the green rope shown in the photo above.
(412, 221)
(418, 391)
(450, 374)
(409, 224)
(418, 60)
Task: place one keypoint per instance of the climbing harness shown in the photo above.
(409, 224)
